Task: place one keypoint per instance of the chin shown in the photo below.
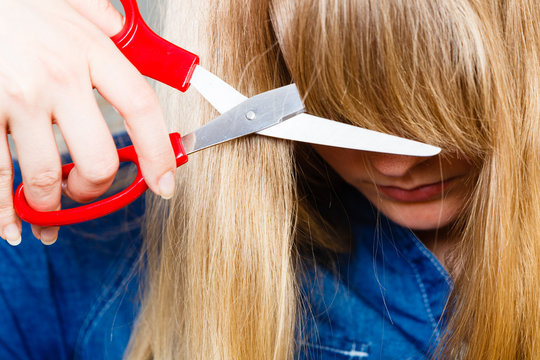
(420, 216)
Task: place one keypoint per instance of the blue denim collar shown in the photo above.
(388, 294)
(392, 270)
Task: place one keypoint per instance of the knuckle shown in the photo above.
(104, 6)
(20, 91)
(144, 103)
(65, 72)
(6, 210)
(43, 189)
(97, 5)
(29, 90)
(6, 205)
(6, 176)
(61, 75)
(100, 173)
(159, 157)
(46, 181)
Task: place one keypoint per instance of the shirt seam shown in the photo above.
(435, 262)
(351, 353)
(425, 300)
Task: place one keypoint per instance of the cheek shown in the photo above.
(349, 164)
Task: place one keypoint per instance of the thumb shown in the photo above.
(101, 13)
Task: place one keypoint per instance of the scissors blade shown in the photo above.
(248, 117)
(315, 130)
(309, 128)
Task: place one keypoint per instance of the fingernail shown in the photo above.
(166, 185)
(12, 234)
(49, 235)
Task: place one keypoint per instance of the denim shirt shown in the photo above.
(386, 299)
(79, 298)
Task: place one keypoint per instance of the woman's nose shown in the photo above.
(394, 165)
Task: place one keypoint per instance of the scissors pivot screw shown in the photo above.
(250, 115)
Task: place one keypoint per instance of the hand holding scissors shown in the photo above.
(278, 113)
(52, 56)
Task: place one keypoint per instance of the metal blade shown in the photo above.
(250, 116)
(316, 130)
(305, 127)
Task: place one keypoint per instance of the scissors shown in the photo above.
(277, 113)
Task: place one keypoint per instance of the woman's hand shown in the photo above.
(53, 54)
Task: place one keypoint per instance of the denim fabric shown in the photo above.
(384, 300)
(78, 299)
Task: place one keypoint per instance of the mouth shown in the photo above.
(421, 193)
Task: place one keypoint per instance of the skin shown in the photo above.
(428, 218)
(53, 54)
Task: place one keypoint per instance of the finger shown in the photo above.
(100, 12)
(90, 145)
(10, 225)
(48, 235)
(40, 167)
(123, 86)
(39, 161)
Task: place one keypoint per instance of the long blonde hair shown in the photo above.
(462, 74)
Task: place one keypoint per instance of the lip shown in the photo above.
(420, 193)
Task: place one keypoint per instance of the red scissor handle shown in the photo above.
(152, 55)
(99, 208)
(155, 57)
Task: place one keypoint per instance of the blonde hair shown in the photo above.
(461, 74)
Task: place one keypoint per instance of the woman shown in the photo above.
(463, 75)
(266, 252)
